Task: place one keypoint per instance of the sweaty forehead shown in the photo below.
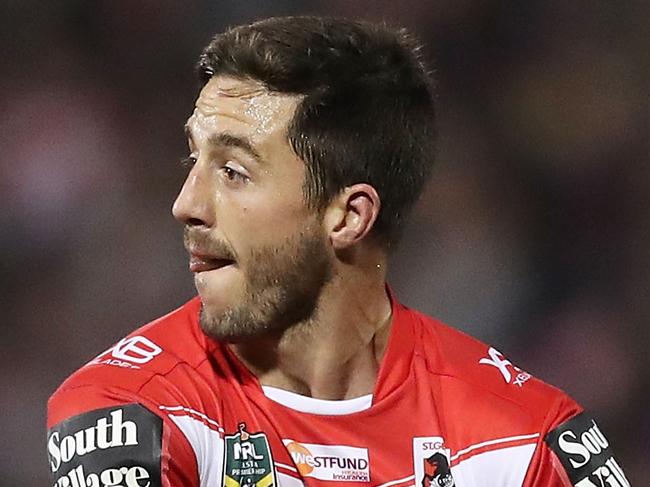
(246, 104)
(228, 87)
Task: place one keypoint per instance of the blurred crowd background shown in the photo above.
(533, 234)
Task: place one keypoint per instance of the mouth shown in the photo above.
(204, 263)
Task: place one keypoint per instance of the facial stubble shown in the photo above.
(282, 287)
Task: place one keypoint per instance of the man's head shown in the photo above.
(366, 112)
(310, 136)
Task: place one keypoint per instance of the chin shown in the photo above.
(229, 325)
(214, 306)
(218, 292)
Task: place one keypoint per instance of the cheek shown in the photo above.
(262, 219)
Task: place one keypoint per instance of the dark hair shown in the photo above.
(367, 114)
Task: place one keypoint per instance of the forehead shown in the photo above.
(243, 106)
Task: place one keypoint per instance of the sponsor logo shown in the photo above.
(590, 442)
(106, 433)
(330, 462)
(109, 447)
(517, 377)
(585, 454)
(431, 462)
(130, 351)
(111, 477)
(248, 460)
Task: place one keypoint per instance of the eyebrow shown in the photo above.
(226, 139)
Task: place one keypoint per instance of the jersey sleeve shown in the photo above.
(102, 436)
(575, 453)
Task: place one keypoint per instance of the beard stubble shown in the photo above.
(282, 287)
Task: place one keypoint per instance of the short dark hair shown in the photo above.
(367, 114)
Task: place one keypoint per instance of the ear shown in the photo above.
(351, 215)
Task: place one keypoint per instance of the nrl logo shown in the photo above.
(248, 461)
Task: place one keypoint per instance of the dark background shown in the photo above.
(533, 234)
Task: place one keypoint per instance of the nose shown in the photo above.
(194, 204)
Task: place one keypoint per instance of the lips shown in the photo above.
(203, 263)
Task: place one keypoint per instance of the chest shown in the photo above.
(397, 442)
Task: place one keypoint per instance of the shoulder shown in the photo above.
(500, 393)
(138, 365)
(107, 420)
(502, 423)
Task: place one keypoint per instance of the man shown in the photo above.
(310, 140)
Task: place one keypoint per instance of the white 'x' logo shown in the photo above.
(496, 359)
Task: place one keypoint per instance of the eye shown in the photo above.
(234, 175)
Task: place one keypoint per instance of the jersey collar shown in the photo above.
(395, 365)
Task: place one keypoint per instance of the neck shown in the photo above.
(336, 354)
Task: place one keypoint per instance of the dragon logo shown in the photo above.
(437, 472)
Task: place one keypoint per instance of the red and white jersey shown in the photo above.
(168, 406)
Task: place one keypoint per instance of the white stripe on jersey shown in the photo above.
(398, 481)
(208, 448)
(493, 442)
(505, 467)
(193, 412)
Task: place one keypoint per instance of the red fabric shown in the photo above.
(431, 384)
